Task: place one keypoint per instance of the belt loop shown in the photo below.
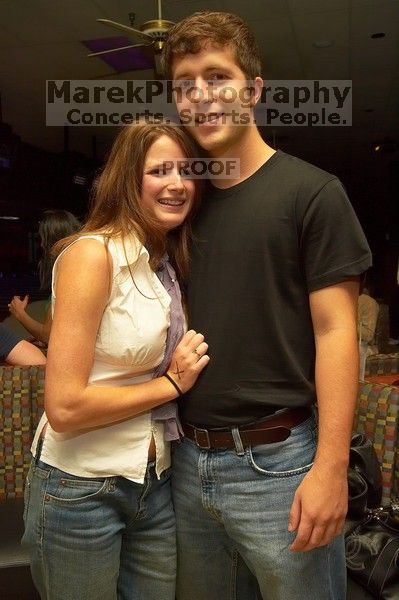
(39, 447)
(237, 441)
(111, 481)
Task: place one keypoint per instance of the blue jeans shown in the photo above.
(232, 518)
(100, 539)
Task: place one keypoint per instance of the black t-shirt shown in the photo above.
(261, 246)
(8, 340)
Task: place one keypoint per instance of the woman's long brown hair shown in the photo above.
(117, 209)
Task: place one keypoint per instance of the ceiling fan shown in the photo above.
(152, 33)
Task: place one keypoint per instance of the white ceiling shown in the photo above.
(41, 39)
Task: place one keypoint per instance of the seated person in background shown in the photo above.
(55, 225)
(18, 352)
(367, 315)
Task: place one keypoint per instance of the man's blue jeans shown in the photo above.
(232, 519)
(100, 539)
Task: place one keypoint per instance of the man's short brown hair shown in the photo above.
(220, 28)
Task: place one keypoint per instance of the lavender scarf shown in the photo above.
(167, 413)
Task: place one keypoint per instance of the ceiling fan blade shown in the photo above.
(117, 49)
(111, 75)
(126, 28)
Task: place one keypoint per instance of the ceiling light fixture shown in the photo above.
(387, 146)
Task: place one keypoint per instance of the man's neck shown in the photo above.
(252, 152)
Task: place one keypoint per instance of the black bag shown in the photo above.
(372, 552)
(364, 477)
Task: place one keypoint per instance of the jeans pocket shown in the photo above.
(293, 456)
(64, 488)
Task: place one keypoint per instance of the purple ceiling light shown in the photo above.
(126, 60)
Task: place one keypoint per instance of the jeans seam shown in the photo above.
(27, 491)
(328, 560)
(233, 576)
(208, 483)
(277, 474)
(42, 524)
(142, 510)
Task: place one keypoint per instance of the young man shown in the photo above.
(273, 287)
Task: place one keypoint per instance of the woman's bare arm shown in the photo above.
(82, 291)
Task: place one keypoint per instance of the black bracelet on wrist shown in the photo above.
(173, 382)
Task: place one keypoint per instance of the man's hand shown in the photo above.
(319, 508)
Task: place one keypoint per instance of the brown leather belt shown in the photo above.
(275, 428)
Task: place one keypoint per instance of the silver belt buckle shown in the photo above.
(202, 432)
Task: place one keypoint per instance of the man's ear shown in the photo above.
(257, 86)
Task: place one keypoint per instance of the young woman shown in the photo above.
(55, 225)
(99, 518)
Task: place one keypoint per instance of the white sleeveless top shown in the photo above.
(130, 344)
